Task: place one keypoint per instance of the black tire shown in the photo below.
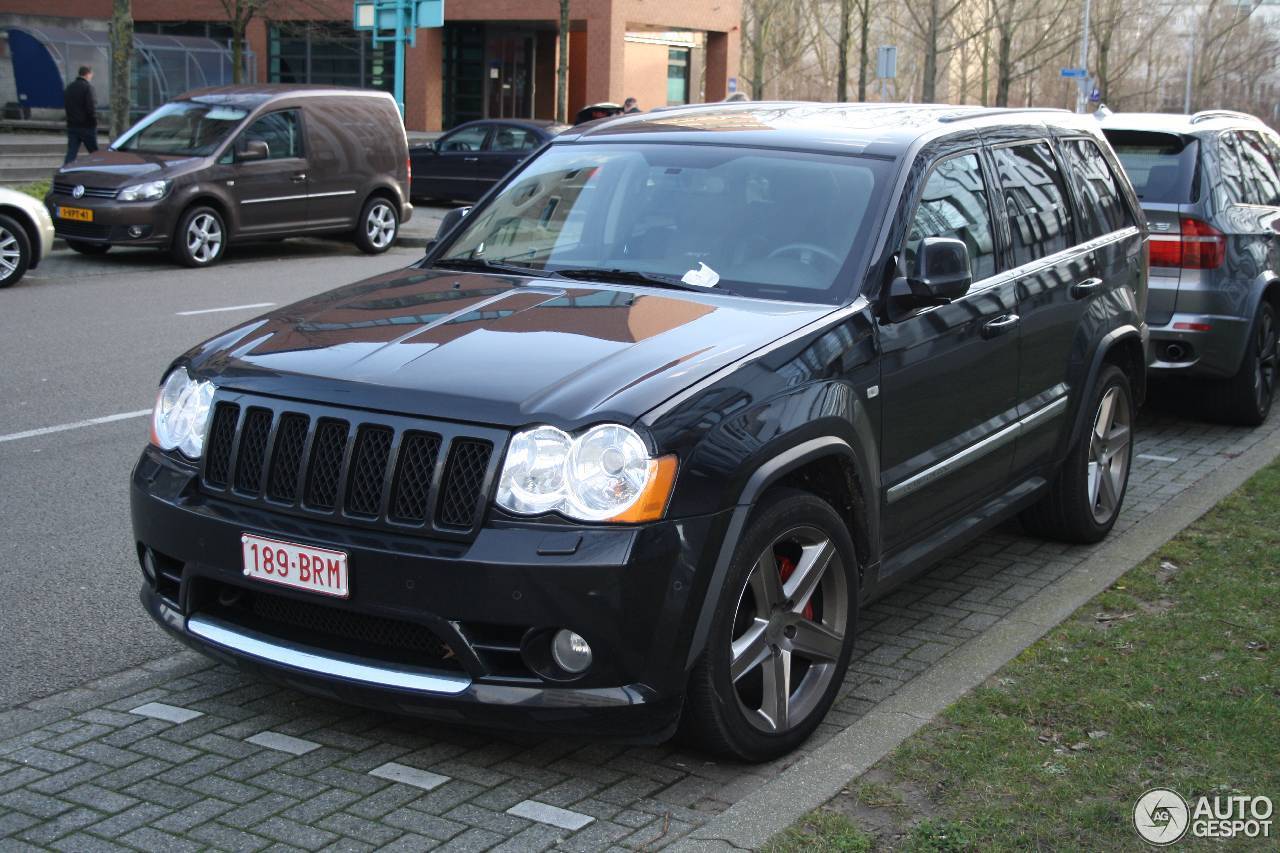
(1245, 399)
(15, 251)
(716, 713)
(191, 249)
(1072, 511)
(378, 226)
(88, 248)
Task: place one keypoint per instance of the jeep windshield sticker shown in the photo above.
(703, 276)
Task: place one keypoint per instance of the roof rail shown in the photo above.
(999, 111)
(1206, 115)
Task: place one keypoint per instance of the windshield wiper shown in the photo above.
(487, 266)
(628, 277)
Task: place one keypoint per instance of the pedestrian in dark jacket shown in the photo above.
(82, 115)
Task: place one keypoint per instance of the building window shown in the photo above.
(329, 53)
(678, 75)
(208, 29)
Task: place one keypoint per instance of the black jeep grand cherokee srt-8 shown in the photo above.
(634, 441)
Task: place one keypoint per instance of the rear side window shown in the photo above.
(1262, 186)
(1036, 201)
(281, 131)
(1102, 209)
(954, 204)
(1161, 166)
(507, 138)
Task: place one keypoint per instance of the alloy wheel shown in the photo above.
(1264, 375)
(204, 238)
(10, 253)
(789, 629)
(1109, 454)
(381, 225)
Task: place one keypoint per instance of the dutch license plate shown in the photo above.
(82, 214)
(299, 566)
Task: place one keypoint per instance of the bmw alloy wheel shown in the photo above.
(789, 629)
(1264, 377)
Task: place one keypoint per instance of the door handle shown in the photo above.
(997, 327)
(470, 159)
(1081, 289)
(299, 177)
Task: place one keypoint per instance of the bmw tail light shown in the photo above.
(1198, 246)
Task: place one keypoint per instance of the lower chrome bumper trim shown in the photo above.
(301, 657)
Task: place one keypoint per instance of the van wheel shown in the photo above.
(88, 248)
(1085, 497)
(201, 237)
(1245, 399)
(378, 226)
(781, 635)
(15, 251)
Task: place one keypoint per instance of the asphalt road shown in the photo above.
(87, 338)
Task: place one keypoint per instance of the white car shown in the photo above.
(26, 235)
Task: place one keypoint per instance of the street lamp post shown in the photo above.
(1082, 96)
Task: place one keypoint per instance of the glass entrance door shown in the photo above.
(509, 82)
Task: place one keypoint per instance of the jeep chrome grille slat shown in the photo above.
(364, 469)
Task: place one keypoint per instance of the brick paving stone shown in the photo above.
(228, 838)
(117, 825)
(152, 840)
(34, 804)
(384, 801)
(291, 832)
(534, 839)
(411, 842)
(64, 824)
(168, 713)
(352, 826)
(405, 775)
(12, 823)
(193, 815)
(422, 823)
(320, 805)
(95, 796)
(549, 814)
(225, 789)
(282, 743)
(81, 843)
(347, 845)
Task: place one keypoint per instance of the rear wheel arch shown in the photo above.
(1122, 346)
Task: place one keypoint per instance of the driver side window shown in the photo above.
(954, 204)
(282, 133)
(467, 139)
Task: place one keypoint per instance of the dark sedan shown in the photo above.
(464, 163)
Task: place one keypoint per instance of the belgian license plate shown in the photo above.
(299, 566)
(82, 214)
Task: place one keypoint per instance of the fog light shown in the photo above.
(149, 565)
(135, 231)
(570, 652)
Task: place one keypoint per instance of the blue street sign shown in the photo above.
(1075, 73)
(397, 21)
(1095, 95)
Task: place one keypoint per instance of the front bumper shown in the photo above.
(633, 592)
(150, 221)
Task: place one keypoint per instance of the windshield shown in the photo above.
(187, 127)
(755, 222)
(1161, 166)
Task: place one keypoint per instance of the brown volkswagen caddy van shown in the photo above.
(240, 163)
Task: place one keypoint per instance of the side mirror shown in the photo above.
(450, 221)
(941, 274)
(254, 149)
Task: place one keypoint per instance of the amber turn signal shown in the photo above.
(652, 502)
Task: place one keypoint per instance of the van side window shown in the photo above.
(1035, 197)
(1102, 209)
(1262, 186)
(954, 204)
(281, 131)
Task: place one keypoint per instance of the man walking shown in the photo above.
(82, 114)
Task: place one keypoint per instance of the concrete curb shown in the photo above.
(756, 818)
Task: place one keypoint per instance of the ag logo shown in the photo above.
(78, 191)
(1161, 816)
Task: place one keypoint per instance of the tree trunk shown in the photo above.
(1004, 62)
(929, 75)
(562, 67)
(864, 37)
(121, 58)
(757, 56)
(842, 65)
(238, 26)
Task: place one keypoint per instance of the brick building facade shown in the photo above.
(492, 57)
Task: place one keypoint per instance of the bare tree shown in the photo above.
(842, 67)
(930, 23)
(121, 59)
(1025, 30)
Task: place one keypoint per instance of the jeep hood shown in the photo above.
(494, 349)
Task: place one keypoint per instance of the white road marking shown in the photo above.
(552, 815)
(1155, 458)
(32, 433)
(283, 743)
(228, 308)
(168, 713)
(405, 775)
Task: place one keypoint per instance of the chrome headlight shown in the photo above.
(150, 191)
(181, 415)
(605, 474)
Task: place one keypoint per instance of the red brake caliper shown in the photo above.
(786, 567)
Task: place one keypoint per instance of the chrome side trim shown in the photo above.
(300, 657)
(325, 195)
(273, 198)
(977, 450)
